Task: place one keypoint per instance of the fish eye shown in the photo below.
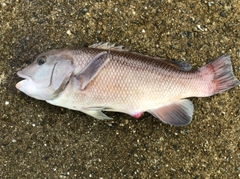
(41, 60)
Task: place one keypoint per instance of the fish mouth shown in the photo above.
(21, 83)
(26, 78)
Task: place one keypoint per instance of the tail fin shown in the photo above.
(222, 74)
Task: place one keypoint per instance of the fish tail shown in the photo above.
(219, 75)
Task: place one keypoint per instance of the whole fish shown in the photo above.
(108, 78)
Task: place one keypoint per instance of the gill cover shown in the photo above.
(47, 75)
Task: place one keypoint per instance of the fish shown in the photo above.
(104, 77)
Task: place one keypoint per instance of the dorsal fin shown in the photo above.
(184, 66)
(108, 46)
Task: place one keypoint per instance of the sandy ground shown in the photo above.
(39, 140)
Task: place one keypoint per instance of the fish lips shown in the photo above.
(25, 74)
(26, 79)
(20, 83)
(29, 87)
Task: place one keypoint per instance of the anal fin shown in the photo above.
(178, 113)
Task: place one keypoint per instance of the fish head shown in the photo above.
(47, 75)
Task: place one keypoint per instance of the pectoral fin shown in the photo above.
(96, 113)
(178, 113)
(89, 72)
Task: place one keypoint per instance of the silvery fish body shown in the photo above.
(103, 78)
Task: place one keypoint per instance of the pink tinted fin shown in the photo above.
(178, 113)
(222, 72)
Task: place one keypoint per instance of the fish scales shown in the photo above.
(134, 80)
(99, 79)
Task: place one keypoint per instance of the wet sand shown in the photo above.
(39, 140)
